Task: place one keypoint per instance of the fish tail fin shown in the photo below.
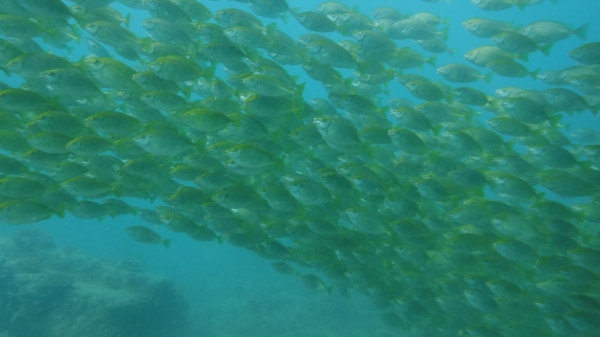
(348, 82)
(209, 73)
(383, 110)
(534, 73)
(54, 102)
(444, 33)
(469, 115)
(555, 119)
(167, 243)
(117, 189)
(586, 164)
(546, 49)
(509, 146)
(298, 111)
(329, 289)
(487, 77)
(280, 163)
(539, 196)
(53, 33)
(299, 91)
(580, 216)
(60, 211)
(285, 17)
(192, 50)
(432, 61)
(76, 34)
(582, 31)
(521, 4)
(451, 51)
(391, 71)
(127, 19)
(271, 28)
(80, 64)
(523, 57)
(144, 44)
(187, 92)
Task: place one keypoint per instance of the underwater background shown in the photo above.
(233, 292)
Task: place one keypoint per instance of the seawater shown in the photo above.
(231, 291)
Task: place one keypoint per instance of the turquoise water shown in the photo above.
(232, 291)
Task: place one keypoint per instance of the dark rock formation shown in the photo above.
(50, 292)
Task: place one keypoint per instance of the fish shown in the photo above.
(545, 32)
(19, 212)
(460, 73)
(513, 42)
(146, 235)
(417, 29)
(111, 73)
(496, 5)
(315, 22)
(588, 53)
(85, 15)
(486, 28)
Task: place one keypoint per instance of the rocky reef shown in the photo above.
(46, 291)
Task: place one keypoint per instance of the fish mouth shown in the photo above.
(148, 24)
(575, 54)
(142, 141)
(91, 28)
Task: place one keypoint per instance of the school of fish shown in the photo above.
(455, 224)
